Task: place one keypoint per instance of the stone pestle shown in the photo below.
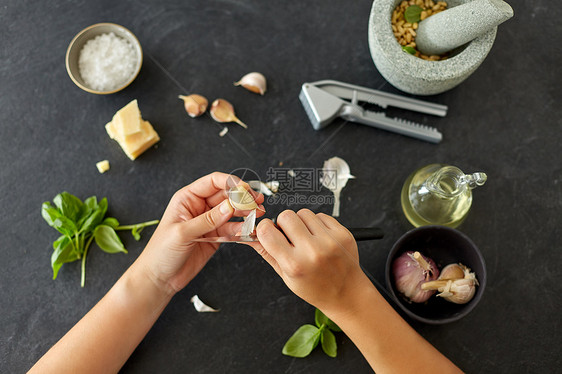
(447, 30)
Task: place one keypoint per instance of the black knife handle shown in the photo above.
(368, 233)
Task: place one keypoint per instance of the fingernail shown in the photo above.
(225, 207)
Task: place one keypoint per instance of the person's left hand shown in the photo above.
(199, 209)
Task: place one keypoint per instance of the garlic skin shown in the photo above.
(254, 82)
(458, 291)
(222, 111)
(411, 270)
(249, 224)
(195, 105)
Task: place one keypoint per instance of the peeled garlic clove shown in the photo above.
(254, 82)
(241, 199)
(222, 111)
(195, 105)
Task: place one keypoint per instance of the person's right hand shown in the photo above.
(314, 255)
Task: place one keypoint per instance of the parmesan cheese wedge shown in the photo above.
(133, 134)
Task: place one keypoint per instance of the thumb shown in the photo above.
(209, 221)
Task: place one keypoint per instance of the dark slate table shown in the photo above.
(504, 120)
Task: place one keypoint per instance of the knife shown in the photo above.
(359, 234)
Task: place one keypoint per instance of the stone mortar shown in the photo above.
(415, 75)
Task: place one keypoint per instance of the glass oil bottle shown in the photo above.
(439, 194)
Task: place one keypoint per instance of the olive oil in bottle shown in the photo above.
(439, 194)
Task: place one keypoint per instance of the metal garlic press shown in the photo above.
(327, 99)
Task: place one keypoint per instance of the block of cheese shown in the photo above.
(103, 166)
(133, 134)
(127, 120)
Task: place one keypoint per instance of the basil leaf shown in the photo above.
(89, 206)
(412, 13)
(92, 221)
(111, 222)
(302, 342)
(91, 202)
(63, 252)
(102, 205)
(49, 213)
(329, 345)
(408, 49)
(65, 226)
(106, 238)
(69, 205)
(321, 319)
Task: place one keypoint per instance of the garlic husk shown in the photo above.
(223, 131)
(201, 306)
(241, 199)
(273, 186)
(411, 270)
(254, 82)
(268, 188)
(222, 111)
(195, 105)
(335, 174)
(249, 224)
(458, 291)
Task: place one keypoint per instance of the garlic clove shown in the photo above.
(267, 189)
(254, 82)
(222, 111)
(452, 271)
(241, 199)
(458, 291)
(195, 105)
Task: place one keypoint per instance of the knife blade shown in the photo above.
(360, 234)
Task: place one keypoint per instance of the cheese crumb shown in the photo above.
(103, 166)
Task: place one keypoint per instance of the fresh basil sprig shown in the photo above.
(80, 223)
(307, 337)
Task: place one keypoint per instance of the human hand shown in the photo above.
(199, 209)
(315, 256)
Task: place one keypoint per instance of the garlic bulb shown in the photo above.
(223, 111)
(459, 290)
(411, 270)
(254, 82)
(195, 105)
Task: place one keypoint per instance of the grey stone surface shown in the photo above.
(412, 74)
(456, 26)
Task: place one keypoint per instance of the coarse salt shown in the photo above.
(107, 62)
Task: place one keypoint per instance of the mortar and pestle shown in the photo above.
(467, 30)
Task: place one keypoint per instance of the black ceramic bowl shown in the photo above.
(445, 246)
